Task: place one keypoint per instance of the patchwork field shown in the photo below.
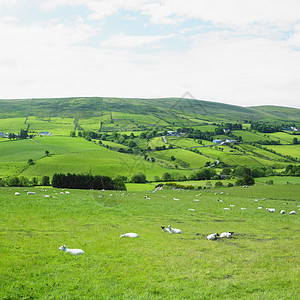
(260, 261)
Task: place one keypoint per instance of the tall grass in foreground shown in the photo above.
(261, 261)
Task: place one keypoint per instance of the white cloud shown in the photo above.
(125, 41)
(10, 4)
(231, 13)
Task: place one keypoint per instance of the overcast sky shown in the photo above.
(244, 52)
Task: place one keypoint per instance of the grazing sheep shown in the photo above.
(270, 210)
(260, 207)
(292, 212)
(212, 236)
(226, 208)
(196, 200)
(172, 230)
(191, 209)
(165, 229)
(175, 199)
(71, 251)
(17, 194)
(68, 193)
(30, 193)
(130, 234)
(226, 234)
(282, 212)
(147, 197)
(243, 208)
(232, 205)
(220, 200)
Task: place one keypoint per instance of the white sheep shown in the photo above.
(226, 208)
(130, 234)
(176, 199)
(212, 236)
(71, 251)
(17, 194)
(226, 234)
(191, 209)
(260, 207)
(270, 210)
(243, 208)
(165, 229)
(232, 205)
(282, 212)
(292, 212)
(30, 193)
(68, 193)
(172, 230)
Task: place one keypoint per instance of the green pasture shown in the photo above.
(254, 136)
(284, 137)
(194, 160)
(54, 125)
(260, 152)
(260, 261)
(279, 179)
(12, 125)
(292, 150)
(182, 142)
(100, 161)
(93, 123)
(113, 145)
(156, 142)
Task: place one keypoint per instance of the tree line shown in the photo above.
(81, 181)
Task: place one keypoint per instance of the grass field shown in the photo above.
(292, 150)
(12, 125)
(260, 261)
(194, 160)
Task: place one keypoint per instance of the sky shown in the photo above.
(241, 52)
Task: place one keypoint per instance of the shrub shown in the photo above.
(218, 184)
(138, 178)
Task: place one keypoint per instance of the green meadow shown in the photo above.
(260, 261)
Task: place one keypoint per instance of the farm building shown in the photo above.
(217, 141)
(47, 133)
(2, 134)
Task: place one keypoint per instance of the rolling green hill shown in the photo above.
(162, 111)
(122, 151)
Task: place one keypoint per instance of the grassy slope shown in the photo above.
(167, 110)
(259, 262)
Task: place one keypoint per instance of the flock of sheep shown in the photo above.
(168, 229)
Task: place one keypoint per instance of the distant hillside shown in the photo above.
(278, 112)
(170, 110)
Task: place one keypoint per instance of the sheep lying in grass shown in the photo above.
(226, 234)
(130, 234)
(71, 251)
(270, 210)
(165, 229)
(17, 194)
(282, 212)
(212, 236)
(293, 212)
(172, 230)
